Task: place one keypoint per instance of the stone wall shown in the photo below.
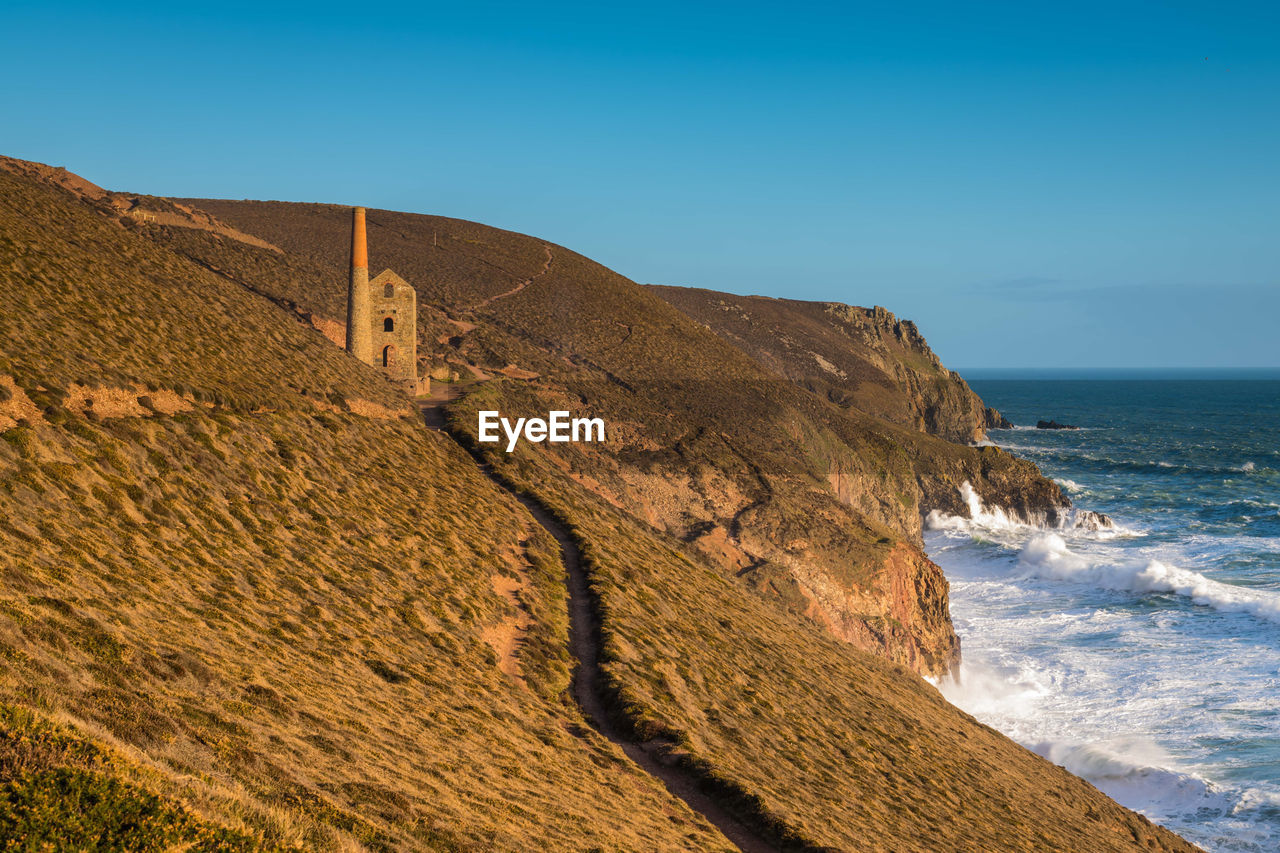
(394, 329)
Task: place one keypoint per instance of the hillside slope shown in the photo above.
(809, 503)
(286, 610)
(235, 559)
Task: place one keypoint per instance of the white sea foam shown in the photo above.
(988, 693)
(1046, 555)
(1254, 798)
(1006, 527)
(1148, 664)
(1134, 771)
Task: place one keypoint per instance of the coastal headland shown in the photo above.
(252, 599)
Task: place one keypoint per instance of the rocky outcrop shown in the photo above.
(1087, 519)
(995, 420)
(999, 479)
(904, 616)
(1054, 425)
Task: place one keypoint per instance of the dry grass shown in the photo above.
(298, 608)
(277, 618)
(854, 357)
(706, 444)
(89, 302)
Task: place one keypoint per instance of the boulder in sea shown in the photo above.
(1087, 519)
(995, 420)
(1054, 425)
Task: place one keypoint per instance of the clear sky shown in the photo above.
(1036, 184)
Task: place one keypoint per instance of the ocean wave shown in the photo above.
(1047, 556)
(1089, 457)
(1255, 799)
(988, 693)
(1137, 773)
(1133, 770)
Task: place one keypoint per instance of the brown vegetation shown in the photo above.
(279, 616)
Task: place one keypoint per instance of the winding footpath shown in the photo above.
(546, 267)
(588, 679)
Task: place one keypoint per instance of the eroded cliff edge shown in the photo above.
(887, 385)
(863, 358)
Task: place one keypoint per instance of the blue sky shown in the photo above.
(1036, 184)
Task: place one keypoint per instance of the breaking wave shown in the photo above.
(1043, 552)
(1144, 660)
(1047, 556)
(1137, 773)
(997, 520)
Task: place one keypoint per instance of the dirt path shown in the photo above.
(522, 285)
(506, 636)
(584, 645)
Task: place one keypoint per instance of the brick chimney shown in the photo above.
(359, 333)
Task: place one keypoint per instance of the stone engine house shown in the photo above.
(395, 326)
(382, 317)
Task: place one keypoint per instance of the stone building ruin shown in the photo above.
(382, 317)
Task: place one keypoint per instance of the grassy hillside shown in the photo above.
(831, 748)
(251, 573)
(805, 501)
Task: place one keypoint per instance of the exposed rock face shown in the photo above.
(999, 479)
(1087, 519)
(905, 618)
(1054, 425)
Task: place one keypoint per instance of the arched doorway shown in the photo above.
(388, 356)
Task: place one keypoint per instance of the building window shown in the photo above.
(388, 325)
(388, 356)
(388, 291)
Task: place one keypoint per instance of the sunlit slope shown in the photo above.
(234, 562)
(278, 601)
(826, 745)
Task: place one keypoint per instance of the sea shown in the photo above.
(1144, 658)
